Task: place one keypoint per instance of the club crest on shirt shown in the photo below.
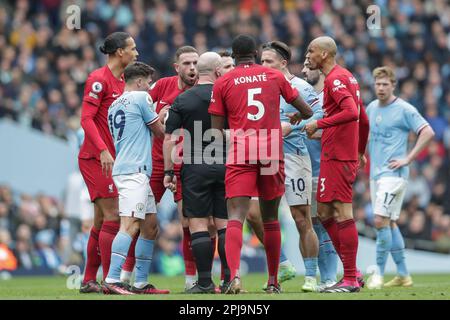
(110, 188)
(140, 207)
(97, 87)
(378, 120)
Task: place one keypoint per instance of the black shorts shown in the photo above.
(204, 191)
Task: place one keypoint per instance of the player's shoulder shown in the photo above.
(99, 74)
(97, 80)
(372, 105)
(341, 74)
(404, 105)
(166, 81)
(302, 84)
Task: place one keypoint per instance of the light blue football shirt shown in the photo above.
(295, 141)
(128, 118)
(314, 147)
(389, 129)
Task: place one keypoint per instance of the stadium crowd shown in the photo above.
(43, 71)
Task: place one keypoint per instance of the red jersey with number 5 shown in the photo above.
(341, 125)
(100, 91)
(249, 97)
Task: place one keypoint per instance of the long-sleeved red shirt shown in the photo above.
(346, 126)
(100, 91)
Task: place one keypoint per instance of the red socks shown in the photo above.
(189, 261)
(272, 245)
(332, 229)
(105, 239)
(93, 257)
(233, 246)
(128, 265)
(348, 238)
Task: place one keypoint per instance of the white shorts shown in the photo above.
(136, 198)
(387, 195)
(298, 179)
(315, 182)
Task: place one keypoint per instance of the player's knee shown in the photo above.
(252, 217)
(380, 222)
(300, 222)
(150, 231)
(131, 227)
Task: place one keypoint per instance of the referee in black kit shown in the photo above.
(203, 171)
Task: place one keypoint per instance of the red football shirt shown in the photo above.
(249, 97)
(163, 92)
(340, 142)
(100, 91)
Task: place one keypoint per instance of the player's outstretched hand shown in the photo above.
(170, 182)
(107, 162)
(294, 117)
(311, 128)
(396, 164)
(286, 128)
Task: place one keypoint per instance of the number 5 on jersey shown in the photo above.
(251, 101)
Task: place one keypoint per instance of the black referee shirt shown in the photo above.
(190, 112)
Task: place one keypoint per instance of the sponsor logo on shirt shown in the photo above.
(93, 95)
(338, 85)
(115, 95)
(352, 80)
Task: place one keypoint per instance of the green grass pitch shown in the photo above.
(426, 287)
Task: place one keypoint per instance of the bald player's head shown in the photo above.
(320, 51)
(208, 62)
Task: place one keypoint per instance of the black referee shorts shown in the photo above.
(204, 191)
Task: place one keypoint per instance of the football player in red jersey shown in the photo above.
(249, 97)
(163, 93)
(344, 139)
(96, 156)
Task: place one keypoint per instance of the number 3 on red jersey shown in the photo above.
(255, 103)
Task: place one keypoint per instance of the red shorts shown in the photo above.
(255, 180)
(336, 179)
(157, 183)
(98, 185)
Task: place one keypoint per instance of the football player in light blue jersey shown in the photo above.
(391, 119)
(131, 121)
(327, 254)
(298, 170)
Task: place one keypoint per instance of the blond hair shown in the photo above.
(385, 72)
